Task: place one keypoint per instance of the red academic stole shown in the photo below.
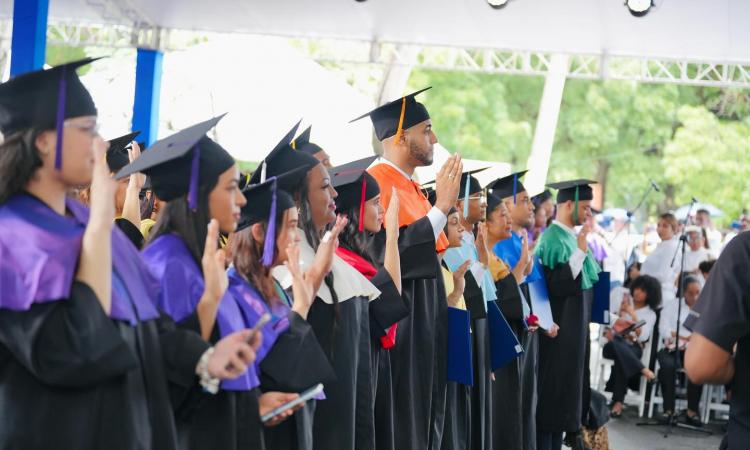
(413, 205)
(369, 271)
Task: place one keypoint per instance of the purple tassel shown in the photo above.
(62, 91)
(194, 173)
(270, 240)
(515, 187)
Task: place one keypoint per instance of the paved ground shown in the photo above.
(625, 435)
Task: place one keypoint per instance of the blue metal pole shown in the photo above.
(147, 91)
(29, 39)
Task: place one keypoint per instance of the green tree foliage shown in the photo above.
(693, 141)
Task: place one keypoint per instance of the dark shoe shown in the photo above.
(665, 418)
(694, 421)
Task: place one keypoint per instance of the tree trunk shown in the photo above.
(600, 189)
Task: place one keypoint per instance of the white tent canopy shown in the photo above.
(697, 30)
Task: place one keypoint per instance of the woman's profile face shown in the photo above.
(226, 199)
(321, 197)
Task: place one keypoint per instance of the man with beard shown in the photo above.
(570, 272)
(419, 358)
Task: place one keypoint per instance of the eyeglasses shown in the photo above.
(91, 128)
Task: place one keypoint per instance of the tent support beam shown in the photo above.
(147, 92)
(29, 41)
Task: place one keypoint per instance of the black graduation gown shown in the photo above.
(96, 383)
(507, 390)
(349, 401)
(562, 359)
(132, 232)
(482, 418)
(419, 357)
(385, 310)
(230, 420)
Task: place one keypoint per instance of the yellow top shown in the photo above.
(146, 225)
(448, 278)
(498, 268)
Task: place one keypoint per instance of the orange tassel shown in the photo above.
(401, 119)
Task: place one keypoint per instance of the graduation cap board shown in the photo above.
(117, 153)
(283, 158)
(508, 186)
(574, 190)
(44, 99)
(394, 117)
(302, 143)
(181, 163)
(264, 202)
(470, 185)
(355, 186)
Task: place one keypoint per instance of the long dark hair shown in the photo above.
(19, 160)
(313, 237)
(247, 256)
(652, 287)
(352, 239)
(629, 280)
(191, 226)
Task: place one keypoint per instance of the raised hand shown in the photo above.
(448, 183)
(213, 262)
(483, 252)
(271, 400)
(231, 356)
(302, 288)
(137, 180)
(582, 237)
(103, 188)
(391, 215)
(459, 284)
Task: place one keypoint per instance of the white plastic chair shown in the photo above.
(713, 400)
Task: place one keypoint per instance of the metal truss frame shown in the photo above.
(485, 60)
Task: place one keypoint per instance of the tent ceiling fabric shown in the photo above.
(699, 30)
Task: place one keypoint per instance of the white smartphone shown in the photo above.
(303, 397)
(264, 319)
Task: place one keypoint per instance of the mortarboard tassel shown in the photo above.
(399, 130)
(362, 205)
(194, 174)
(61, 93)
(575, 211)
(466, 197)
(270, 239)
(515, 187)
(294, 144)
(263, 172)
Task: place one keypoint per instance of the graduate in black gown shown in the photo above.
(359, 201)
(182, 254)
(419, 357)
(570, 272)
(340, 312)
(290, 358)
(86, 357)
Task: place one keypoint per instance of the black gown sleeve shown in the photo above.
(387, 309)
(561, 278)
(416, 246)
(131, 231)
(509, 298)
(67, 343)
(474, 297)
(182, 348)
(296, 361)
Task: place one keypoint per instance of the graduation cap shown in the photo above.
(493, 201)
(264, 202)
(244, 179)
(508, 186)
(117, 154)
(303, 144)
(541, 198)
(431, 195)
(355, 186)
(283, 158)
(394, 117)
(574, 190)
(44, 99)
(471, 186)
(181, 163)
